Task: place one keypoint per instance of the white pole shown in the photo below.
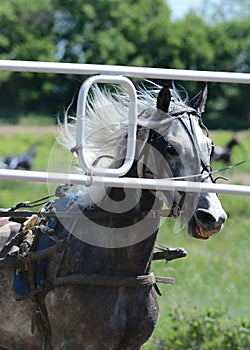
(129, 71)
(125, 182)
(139, 72)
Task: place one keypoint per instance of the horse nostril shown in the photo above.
(222, 219)
(204, 217)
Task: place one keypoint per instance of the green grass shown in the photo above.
(214, 278)
(239, 153)
(12, 192)
(208, 307)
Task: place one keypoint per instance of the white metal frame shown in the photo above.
(128, 71)
(81, 121)
(124, 182)
(142, 72)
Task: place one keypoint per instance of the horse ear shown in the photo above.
(163, 99)
(199, 101)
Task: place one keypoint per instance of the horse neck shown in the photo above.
(127, 260)
(136, 259)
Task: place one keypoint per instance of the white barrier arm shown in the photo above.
(125, 182)
(129, 71)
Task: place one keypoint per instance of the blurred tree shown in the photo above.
(131, 32)
(190, 45)
(105, 32)
(231, 40)
(26, 34)
(112, 32)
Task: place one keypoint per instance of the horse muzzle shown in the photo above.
(206, 223)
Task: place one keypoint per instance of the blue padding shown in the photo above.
(21, 284)
(41, 266)
(66, 201)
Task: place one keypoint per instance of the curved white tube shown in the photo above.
(81, 121)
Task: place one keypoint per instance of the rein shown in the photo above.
(91, 214)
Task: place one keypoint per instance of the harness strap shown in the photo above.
(111, 281)
(103, 280)
(193, 138)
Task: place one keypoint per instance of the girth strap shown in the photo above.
(110, 281)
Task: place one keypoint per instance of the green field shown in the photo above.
(17, 140)
(208, 307)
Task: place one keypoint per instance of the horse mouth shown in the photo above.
(198, 231)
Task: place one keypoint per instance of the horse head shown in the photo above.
(181, 150)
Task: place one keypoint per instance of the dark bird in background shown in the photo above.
(23, 161)
(224, 153)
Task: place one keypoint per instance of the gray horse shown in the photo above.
(99, 291)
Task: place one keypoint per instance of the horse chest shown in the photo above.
(117, 316)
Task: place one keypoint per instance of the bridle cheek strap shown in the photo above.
(192, 135)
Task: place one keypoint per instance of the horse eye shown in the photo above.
(163, 146)
(171, 150)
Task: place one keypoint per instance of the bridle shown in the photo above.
(193, 138)
(182, 115)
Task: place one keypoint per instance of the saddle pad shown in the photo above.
(7, 230)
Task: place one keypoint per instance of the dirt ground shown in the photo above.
(11, 130)
(242, 178)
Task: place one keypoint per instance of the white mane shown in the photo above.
(106, 124)
(106, 120)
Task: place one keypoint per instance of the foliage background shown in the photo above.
(129, 32)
